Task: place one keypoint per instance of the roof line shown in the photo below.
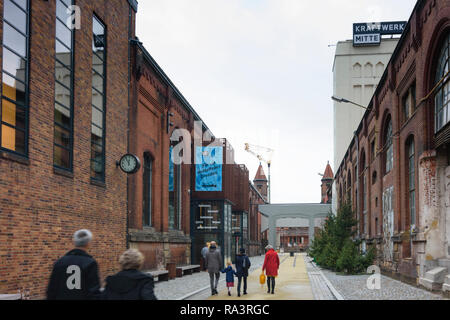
(169, 82)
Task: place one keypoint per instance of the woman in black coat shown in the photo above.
(242, 266)
(130, 283)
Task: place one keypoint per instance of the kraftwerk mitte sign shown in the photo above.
(366, 34)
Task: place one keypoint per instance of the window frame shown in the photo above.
(26, 83)
(104, 93)
(71, 89)
(439, 74)
(147, 189)
(388, 139)
(411, 156)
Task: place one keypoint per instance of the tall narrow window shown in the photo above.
(98, 100)
(409, 103)
(175, 194)
(14, 103)
(442, 98)
(63, 132)
(147, 190)
(412, 182)
(389, 149)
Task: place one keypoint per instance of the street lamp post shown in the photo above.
(342, 100)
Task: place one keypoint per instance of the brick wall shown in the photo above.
(413, 62)
(40, 209)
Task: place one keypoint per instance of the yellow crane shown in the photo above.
(263, 154)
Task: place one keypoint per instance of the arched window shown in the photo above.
(411, 180)
(388, 147)
(147, 177)
(442, 98)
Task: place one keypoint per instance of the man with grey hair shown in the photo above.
(75, 275)
(214, 264)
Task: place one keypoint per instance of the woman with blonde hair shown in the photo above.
(130, 283)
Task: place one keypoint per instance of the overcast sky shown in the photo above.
(260, 71)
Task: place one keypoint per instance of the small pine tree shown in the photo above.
(333, 247)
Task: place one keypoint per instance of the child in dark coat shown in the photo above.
(230, 273)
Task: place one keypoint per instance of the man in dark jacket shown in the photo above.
(75, 275)
(130, 283)
(242, 266)
(214, 264)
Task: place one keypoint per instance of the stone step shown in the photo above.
(445, 263)
(446, 285)
(434, 278)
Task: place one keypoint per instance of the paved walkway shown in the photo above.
(185, 286)
(292, 283)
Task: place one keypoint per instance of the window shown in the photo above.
(442, 98)
(409, 103)
(372, 151)
(98, 100)
(175, 194)
(63, 132)
(412, 182)
(147, 190)
(364, 186)
(389, 149)
(14, 103)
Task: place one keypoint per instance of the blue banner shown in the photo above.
(208, 168)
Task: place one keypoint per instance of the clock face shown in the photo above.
(129, 163)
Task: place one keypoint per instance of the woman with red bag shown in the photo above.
(271, 265)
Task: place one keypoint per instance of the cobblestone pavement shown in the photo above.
(319, 287)
(180, 287)
(354, 288)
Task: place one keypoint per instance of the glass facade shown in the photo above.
(211, 220)
(14, 104)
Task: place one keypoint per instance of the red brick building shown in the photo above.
(396, 170)
(159, 193)
(60, 138)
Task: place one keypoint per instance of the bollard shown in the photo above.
(171, 267)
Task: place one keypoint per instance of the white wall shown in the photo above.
(356, 73)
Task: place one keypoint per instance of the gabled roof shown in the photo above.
(328, 172)
(260, 175)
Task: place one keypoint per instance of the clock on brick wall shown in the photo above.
(129, 163)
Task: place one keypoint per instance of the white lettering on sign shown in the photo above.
(361, 39)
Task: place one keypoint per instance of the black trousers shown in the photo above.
(270, 282)
(239, 284)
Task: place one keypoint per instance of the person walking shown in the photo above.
(271, 265)
(229, 276)
(214, 264)
(130, 283)
(75, 275)
(242, 266)
(203, 253)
